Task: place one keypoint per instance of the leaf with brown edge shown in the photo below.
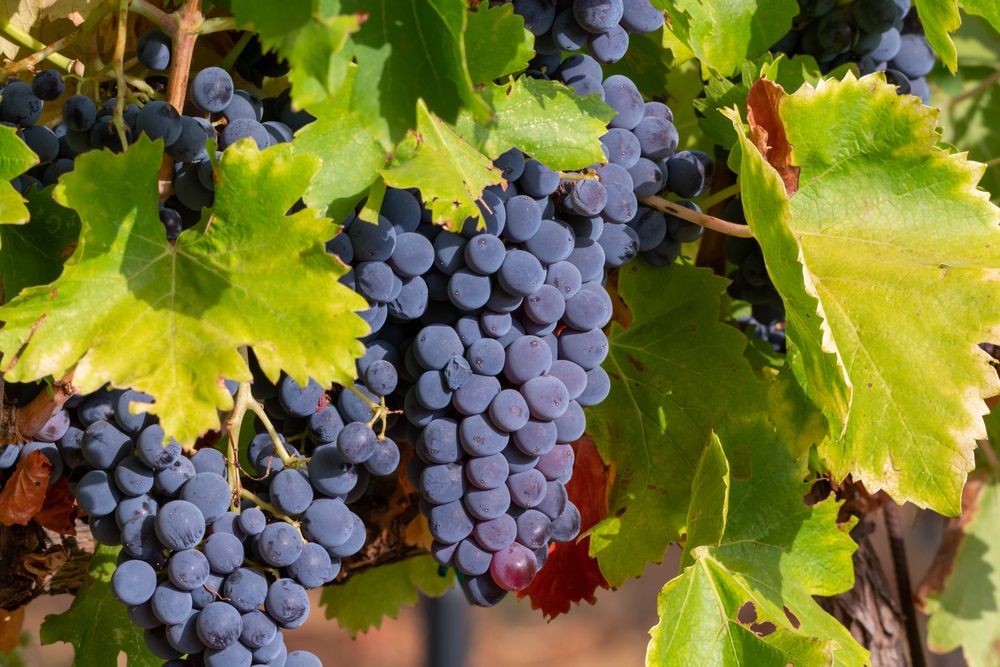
(570, 573)
(768, 133)
(24, 494)
(59, 512)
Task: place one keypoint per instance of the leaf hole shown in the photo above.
(763, 629)
(747, 613)
(792, 618)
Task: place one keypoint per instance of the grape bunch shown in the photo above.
(219, 111)
(212, 566)
(877, 35)
(601, 26)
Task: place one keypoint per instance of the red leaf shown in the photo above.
(24, 494)
(11, 623)
(570, 574)
(60, 511)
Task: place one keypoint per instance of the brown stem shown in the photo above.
(189, 19)
(899, 563)
(707, 221)
(119, 63)
(712, 248)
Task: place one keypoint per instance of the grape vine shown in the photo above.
(292, 300)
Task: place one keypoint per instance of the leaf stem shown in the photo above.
(120, 72)
(234, 53)
(219, 24)
(234, 426)
(25, 39)
(268, 507)
(279, 448)
(577, 176)
(707, 221)
(166, 22)
(720, 196)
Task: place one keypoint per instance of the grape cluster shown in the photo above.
(878, 35)
(220, 112)
(491, 336)
(601, 26)
(211, 568)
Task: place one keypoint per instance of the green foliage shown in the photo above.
(545, 119)
(408, 52)
(762, 567)
(136, 311)
(674, 369)
(15, 159)
(722, 33)
(895, 243)
(496, 43)
(351, 155)
(450, 172)
(96, 625)
(965, 612)
(365, 599)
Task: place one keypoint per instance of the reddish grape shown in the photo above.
(513, 568)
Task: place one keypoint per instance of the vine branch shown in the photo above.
(706, 221)
(25, 39)
(902, 571)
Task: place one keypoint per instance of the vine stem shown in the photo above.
(707, 221)
(234, 53)
(578, 176)
(25, 39)
(268, 507)
(992, 163)
(253, 406)
(188, 20)
(164, 21)
(982, 86)
(898, 549)
(234, 426)
(120, 72)
(720, 196)
(219, 24)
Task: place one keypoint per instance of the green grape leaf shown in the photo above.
(449, 171)
(796, 419)
(966, 611)
(706, 519)
(311, 36)
(15, 159)
(409, 51)
(133, 310)
(545, 119)
(673, 370)
(746, 599)
(365, 599)
(988, 9)
(33, 254)
(940, 17)
(894, 243)
(97, 625)
(496, 43)
(351, 156)
(723, 33)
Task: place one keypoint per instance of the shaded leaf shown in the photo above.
(311, 36)
(24, 493)
(545, 119)
(570, 573)
(747, 597)
(940, 17)
(706, 519)
(132, 310)
(406, 52)
(674, 371)
(496, 43)
(33, 254)
(891, 234)
(96, 625)
(449, 171)
(365, 599)
(964, 603)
